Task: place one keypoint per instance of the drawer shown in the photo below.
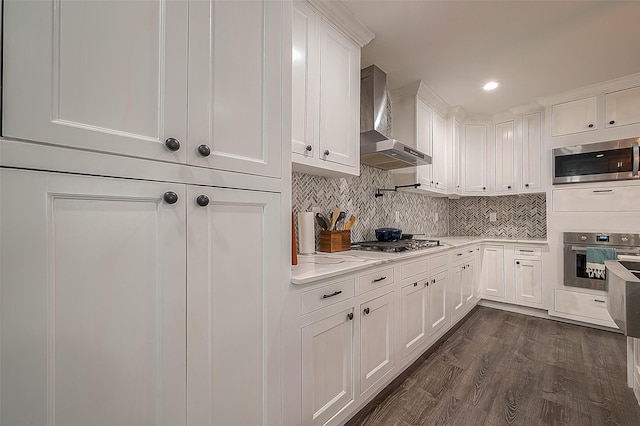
(582, 304)
(611, 199)
(375, 280)
(414, 268)
(462, 253)
(327, 295)
(438, 261)
(528, 251)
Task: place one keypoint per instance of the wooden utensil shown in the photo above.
(349, 223)
(334, 218)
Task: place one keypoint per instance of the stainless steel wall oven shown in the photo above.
(575, 255)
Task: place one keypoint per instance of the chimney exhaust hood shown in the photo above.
(377, 149)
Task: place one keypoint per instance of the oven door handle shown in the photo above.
(636, 159)
(620, 251)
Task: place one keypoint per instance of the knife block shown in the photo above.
(334, 241)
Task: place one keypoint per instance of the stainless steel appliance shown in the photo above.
(613, 160)
(575, 255)
(395, 246)
(623, 290)
(377, 148)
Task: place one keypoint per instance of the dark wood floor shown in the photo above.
(504, 368)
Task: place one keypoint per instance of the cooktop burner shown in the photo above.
(394, 246)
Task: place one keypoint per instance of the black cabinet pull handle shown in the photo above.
(170, 197)
(526, 251)
(204, 150)
(326, 152)
(598, 300)
(309, 148)
(458, 254)
(172, 144)
(612, 122)
(202, 200)
(379, 279)
(350, 316)
(335, 293)
(590, 126)
(366, 311)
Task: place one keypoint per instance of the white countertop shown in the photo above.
(319, 266)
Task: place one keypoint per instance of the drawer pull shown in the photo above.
(526, 251)
(335, 293)
(598, 300)
(458, 254)
(377, 280)
(601, 191)
(470, 251)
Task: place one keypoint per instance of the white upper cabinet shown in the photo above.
(532, 151)
(439, 145)
(70, 79)
(159, 87)
(622, 107)
(325, 95)
(505, 158)
(424, 141)
(574, 117)
(235, 86)
(475, 159)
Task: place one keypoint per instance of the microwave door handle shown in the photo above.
(636, 159)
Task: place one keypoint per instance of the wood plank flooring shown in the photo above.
(502, 368)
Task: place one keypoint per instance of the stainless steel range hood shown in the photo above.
(377, 148)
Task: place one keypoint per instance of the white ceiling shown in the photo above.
(535, 48)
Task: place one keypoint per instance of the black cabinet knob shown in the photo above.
(350, 316)
(415, 284)
(590, 126)
(366, 311)
(204, 150)
(509, 187)
(433, 281)
(612, 122)
(517, 263)
(526, 185)
(172, 144)
(309, 148)
(326, 152)
(484, 188)
(170, 197)
(202, 200)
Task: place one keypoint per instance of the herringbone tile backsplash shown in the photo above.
(519, 216)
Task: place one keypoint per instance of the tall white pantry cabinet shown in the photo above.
(144, 178)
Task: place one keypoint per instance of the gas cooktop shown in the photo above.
(394, 246)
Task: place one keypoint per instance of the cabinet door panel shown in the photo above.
(439, 149)
(528, 277)
(376, 358)
(414, 316)
(437, 302)
(327, 367)
(457, 297)
(493, 271)
(475, 158)
(531, 153)
(424, 140)
(469, 281)
(339, 97)
(233, 324)
(235, 81)
(574, 117)
(622, 107)
(504, 158)
(81, 84)
(93, 327)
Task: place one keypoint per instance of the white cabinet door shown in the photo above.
(439, 149)
(437, 312)
(71, 79)
(456, 296)
(532, 153)
(339, 132)
(233, 323)
(414, 316)
(457, 159)
(493, 284)
(376, 335)
(305, 77)
(475, 158)
(468, 281)
(574, 117)
(505, 158)
(424, 141)
(327, 368)
(93, 301)
(235, 85)
(528, 280)
(622, 107)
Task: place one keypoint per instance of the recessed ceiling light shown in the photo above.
(491, 85)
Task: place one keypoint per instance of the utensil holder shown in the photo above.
(334, 241)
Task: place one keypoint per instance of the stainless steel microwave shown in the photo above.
(613, 160)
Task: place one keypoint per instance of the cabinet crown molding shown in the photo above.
(343, 18)
(591, 90)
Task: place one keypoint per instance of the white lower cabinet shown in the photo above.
(493, 285)
(117, 297)
(376, 340)
(528, 281)
(327, 366)
(415, 307)
(437, 313)
(463, 282)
